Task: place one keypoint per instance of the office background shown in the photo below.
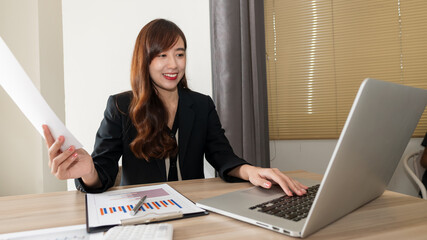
(78, 53)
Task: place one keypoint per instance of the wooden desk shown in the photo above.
(391, 216)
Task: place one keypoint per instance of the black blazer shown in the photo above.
(200, 133)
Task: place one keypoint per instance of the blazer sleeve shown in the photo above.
(108, 148)
(219, 152)
(424, 143)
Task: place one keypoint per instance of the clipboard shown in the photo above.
(108, 209)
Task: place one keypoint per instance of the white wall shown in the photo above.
(32, 30)
(99, 36)
(314, 155)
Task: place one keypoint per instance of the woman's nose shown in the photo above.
(172, 62)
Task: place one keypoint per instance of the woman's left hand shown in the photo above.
(265, 177)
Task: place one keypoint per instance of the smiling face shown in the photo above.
(168, 67)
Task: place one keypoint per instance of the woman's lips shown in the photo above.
(170, 76)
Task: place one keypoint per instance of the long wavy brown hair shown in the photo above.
(147, 111)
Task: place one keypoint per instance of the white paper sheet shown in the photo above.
(21, 89)
(59, 233)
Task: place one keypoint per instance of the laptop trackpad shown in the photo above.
(275, 190)
(262, 192)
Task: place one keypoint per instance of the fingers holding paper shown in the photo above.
(71, 163)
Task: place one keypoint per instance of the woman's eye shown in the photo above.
(180, 54)
(162, 55)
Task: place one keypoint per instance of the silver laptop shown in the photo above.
(375, 135)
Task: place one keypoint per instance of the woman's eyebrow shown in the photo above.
(180, 49)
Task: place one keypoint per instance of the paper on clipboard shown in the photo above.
(107, 209)
(21, 89)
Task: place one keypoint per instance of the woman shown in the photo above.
(161, 129)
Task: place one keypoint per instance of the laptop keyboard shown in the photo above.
(293, 208)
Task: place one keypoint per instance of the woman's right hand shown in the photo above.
(72, 163)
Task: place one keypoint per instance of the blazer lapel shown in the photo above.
(186, 119)
(162, 167)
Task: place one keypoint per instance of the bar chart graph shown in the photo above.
(111, 207)
(156, 205)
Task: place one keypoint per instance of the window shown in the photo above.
(319, 52)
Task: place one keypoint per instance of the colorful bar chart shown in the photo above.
(155, 205)
(111, 207)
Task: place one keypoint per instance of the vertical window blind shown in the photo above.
(319, 52)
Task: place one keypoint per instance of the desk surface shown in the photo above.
(391, 216)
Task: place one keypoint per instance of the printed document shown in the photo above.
(109, 208)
